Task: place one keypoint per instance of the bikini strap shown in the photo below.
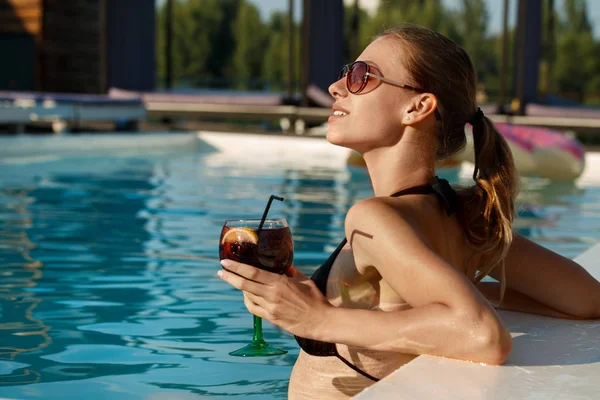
(423, 189)
(354, 367)
(441, 188)
(446, 194)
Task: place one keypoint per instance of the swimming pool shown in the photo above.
(108, 283)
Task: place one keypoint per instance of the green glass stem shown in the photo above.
(258, 347)
(258, 336)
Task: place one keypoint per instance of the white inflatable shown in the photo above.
(540, 152)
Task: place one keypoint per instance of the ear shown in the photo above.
(422, 108)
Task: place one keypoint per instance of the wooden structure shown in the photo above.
(77, 46)
(584, 121)
(20, 29)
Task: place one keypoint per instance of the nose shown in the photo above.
(338, 88)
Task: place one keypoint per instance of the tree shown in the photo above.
(577, 63)
(491, 78)
(195, 27)
(216, 42)
(250, 38)
(473, 22)
(353, 46)
(275, 63)
(223, 44)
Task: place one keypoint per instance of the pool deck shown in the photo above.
(551, 359)
(64, 111)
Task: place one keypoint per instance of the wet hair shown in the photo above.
(442, 67)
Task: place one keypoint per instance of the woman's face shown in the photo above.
(374, 116)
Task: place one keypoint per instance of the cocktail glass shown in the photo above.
(268, 247)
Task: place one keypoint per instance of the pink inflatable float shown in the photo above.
(538, 152)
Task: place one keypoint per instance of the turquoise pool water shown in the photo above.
(108, 284)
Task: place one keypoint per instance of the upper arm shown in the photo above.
(393, 243)
(550, 278)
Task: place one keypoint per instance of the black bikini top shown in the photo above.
(447, 196)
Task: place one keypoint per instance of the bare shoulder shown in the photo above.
(380, 209)
(376, 221)
(390, 235)
(407, 215)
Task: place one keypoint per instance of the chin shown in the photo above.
(335, 137)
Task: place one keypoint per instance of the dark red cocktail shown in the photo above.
(271, 249)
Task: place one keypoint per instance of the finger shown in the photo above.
(250, 272)
(254, 308)
(257, 300)
(240, 282)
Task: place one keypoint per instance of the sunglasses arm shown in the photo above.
(392, 82)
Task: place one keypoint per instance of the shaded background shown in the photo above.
(90, 46)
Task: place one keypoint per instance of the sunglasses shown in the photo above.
(357, 78)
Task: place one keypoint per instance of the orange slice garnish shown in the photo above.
(240, 235)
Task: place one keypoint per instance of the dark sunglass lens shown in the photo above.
(357, 73)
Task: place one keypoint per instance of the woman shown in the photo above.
(407, 282)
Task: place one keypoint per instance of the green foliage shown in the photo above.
(354, 43)
(195, 25)
(275, 63)
(576, 65)
(430, 13)
(224, 43)
(473, 30)
(250, 38)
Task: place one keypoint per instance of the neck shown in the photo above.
(399, 167)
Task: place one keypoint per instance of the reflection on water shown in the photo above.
(20, 331)
(559, 215)
(108, 280)
(57, 235)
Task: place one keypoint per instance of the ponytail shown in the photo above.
(488, 207)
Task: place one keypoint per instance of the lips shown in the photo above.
(337, 113)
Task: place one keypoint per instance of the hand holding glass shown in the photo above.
(268, 247)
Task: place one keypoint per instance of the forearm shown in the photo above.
(550, 279)
(433, 329)
(516, 301)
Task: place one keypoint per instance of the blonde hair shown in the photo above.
(487, 208)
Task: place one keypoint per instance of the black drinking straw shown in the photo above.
(262, 221)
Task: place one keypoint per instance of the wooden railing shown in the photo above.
(252, 113)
